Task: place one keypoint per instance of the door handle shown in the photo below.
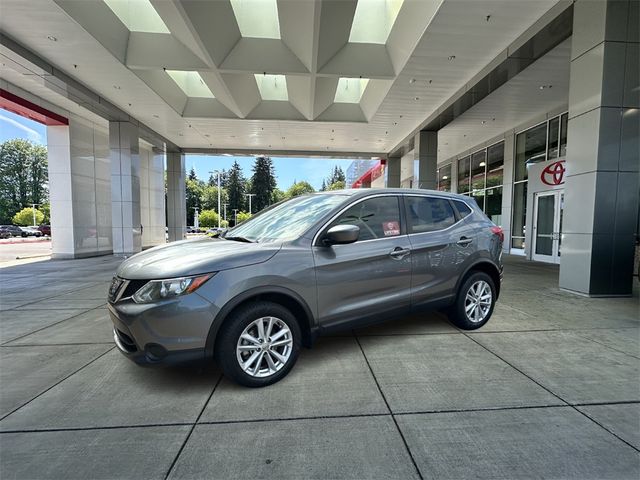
(464, 241)
(399, 253)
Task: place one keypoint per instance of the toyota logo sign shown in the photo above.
(553, 174)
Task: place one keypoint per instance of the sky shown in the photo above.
(288, 170)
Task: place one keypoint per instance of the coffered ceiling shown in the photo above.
(303, 75)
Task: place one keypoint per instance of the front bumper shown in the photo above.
(168, 333)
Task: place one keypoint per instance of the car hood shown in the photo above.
(193, 257)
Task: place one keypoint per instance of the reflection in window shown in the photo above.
(531, 147)
(377, 218)
(444, 178)
(464, 165)
(429, 214)
(493, 204)
(478, 196)
(554, 137)
(563, 134)
(495, 165)
(519, 214)
(478, 170)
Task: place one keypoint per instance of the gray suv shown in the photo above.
(303, 267)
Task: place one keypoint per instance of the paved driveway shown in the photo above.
(548, 388)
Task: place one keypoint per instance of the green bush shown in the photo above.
(25, 217)
(242, 216)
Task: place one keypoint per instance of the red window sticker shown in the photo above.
(391, 228)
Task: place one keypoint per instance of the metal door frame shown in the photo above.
(555, 234)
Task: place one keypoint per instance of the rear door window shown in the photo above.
(429, 214)
(377, 217)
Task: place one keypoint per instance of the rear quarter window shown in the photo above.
(463, 208)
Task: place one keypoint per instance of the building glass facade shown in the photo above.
(542, 142)
(444, 178)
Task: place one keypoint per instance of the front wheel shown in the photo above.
(258, 344)
(475, 302)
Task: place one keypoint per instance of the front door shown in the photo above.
(368, 278)
(547, 226)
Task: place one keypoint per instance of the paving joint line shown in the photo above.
(193, 426)
(57, 383)
(50, 325)
(395, 421)
(553, 393)
(611, 348)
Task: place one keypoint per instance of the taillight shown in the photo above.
(498, 231)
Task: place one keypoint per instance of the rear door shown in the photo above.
(368, 278)
(440, 244)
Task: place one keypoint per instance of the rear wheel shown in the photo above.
(475, 302)
(258, 344)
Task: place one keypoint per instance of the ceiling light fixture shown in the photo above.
(412, 81)
(52, 38)
(452, 57)
(544, 87)
(117, 87)
(481, 164)
(444, 177)
(156, 116)
(416, 98)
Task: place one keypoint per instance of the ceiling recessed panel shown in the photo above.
(373, 20)
(138, 15)
(350, 90)
(257, 18)
(272, 87)
(191, 84)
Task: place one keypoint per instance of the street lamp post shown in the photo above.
(33, 210)
(218, 172)
(225, 211)
(250, 195)
(235, 217)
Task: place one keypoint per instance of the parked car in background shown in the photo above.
(311, 265)
(4, 234)
(31, 232)
(45, 230)
(13, 230)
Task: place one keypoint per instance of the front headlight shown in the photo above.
(173, 287)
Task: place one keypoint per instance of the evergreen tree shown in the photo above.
(324, 186)
(192, 174)
(235, 187)
(263, 183)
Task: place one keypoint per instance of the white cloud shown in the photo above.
(31, 133)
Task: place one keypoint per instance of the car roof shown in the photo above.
(363, 192)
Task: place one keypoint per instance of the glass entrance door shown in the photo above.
(547, 226)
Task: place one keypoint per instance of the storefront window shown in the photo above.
(493, 204)
(444, 178)
(478, 196)
(554, 137)
(519, 214)
(531, 147)
(463, 174)
(563, 134)
(495, 165)
(478, 170)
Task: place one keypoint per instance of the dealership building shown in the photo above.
(529, 107)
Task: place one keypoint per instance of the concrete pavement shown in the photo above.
(550, 387)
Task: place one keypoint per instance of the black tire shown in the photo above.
(233, 327)
(457, 313)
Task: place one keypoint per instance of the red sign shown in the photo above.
(553, 174)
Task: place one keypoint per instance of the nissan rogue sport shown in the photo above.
(301, 268)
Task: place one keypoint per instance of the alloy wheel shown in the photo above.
(478, 301)
(264, 347)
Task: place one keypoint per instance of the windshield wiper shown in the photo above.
(239, 239)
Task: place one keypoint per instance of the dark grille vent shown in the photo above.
(133, 287)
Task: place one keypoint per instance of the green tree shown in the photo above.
(194, 189)
(192, 174)
(46, 209)
(278, 195)
(23, 176)
(25, 217)
(299, 188)
(337, 175)
(242, 216)
(339, 185)
(263, 183)
(324, 185)
(209, 198)
(209, 219)
(236, 187)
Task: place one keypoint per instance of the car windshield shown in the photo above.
(286, 220)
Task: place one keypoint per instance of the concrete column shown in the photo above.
(152, 209)
(125, 188)
(393, 172)
(601, 194)
(426, 160)
(454, 175)
(176, 197)
(79, 186)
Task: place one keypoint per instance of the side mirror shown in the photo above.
(341, 234)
